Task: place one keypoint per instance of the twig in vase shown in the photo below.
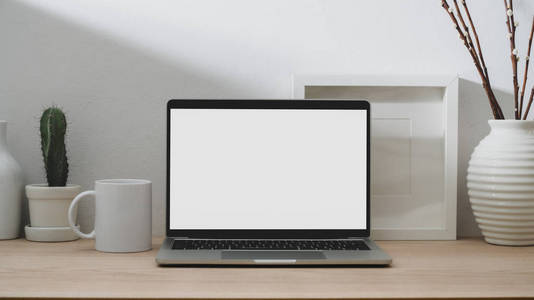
(478, 55)
(529, 103)
(476, 39)
(466, 33)
(485, 69)
(527, 60)
(465, 37)
(509, 7)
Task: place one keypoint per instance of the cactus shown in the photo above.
(53, 129)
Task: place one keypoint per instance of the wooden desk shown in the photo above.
(448, 269)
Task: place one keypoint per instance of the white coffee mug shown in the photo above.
(123, 215)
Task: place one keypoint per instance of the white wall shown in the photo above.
(113, 64)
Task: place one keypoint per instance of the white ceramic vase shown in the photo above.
(11, 189)
(500, 182)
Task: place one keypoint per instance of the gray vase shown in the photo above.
(11, 189)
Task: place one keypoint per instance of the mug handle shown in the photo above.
(70, 215)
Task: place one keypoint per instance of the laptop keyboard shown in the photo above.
(203, 244)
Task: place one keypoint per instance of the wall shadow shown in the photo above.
(473, 115)
(114, 96)
(474, 112)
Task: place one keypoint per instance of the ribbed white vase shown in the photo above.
(500, 181)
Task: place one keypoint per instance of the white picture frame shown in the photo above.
(415, 133)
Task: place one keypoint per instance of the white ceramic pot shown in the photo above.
(11, 189)
(500, 182)
(49, 205)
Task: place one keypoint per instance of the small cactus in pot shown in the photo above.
(53, 126)
(48, 203)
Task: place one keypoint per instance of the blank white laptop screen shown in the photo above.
(267, 169)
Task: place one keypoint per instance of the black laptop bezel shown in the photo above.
(269, 233)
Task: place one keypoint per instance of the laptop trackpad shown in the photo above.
(275, 255)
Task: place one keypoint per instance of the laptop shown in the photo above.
(268, 182)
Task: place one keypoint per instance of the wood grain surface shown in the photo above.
(426, 269)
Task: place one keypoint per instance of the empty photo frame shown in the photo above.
(414, 139)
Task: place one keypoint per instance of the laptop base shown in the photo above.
(173, 257)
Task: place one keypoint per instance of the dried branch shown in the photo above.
(479, 55)
(513, 52)
(466, 32)
(529, 103)
(527, 60)
(497, 112)
(477, 41)
(493, 99)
